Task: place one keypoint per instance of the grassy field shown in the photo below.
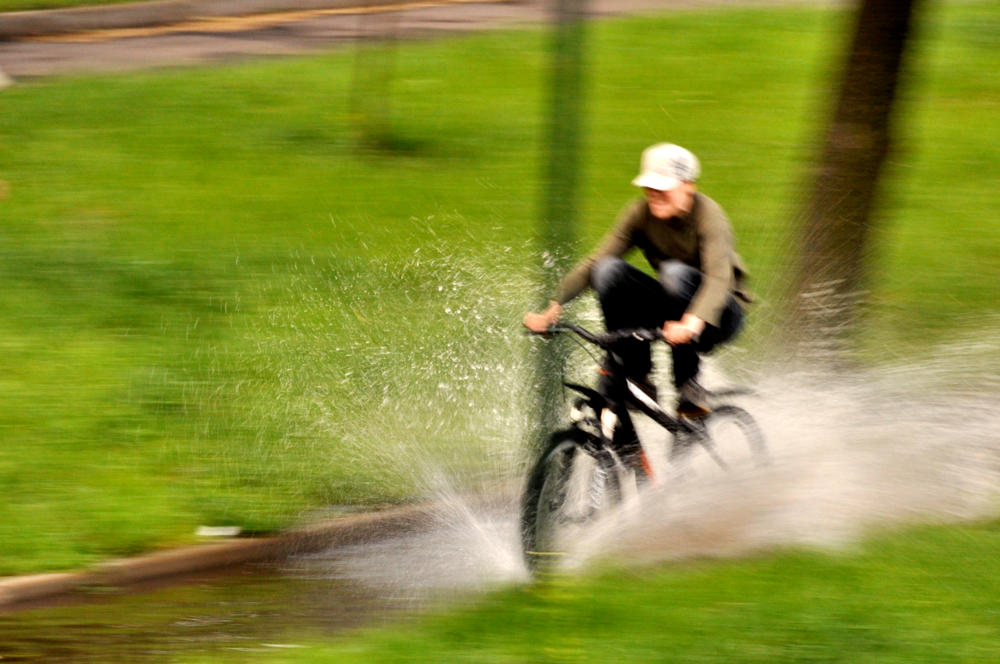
(926, 595)
(214, 311)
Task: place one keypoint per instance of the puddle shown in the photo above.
(463, 551)
(256, 608)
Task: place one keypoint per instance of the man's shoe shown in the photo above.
(692, 400)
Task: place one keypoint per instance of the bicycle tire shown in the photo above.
(728, 439)
(574, 482)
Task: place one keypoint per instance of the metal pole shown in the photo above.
(561, 191)
(374, 69)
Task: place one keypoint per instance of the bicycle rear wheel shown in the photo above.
(726, 440)
(574, 483)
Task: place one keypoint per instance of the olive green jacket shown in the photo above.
(703, 239)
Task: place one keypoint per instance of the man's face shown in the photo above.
(676, 202)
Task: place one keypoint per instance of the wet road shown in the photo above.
(214, 41)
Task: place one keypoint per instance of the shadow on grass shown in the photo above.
(319, 142)
(389, 144)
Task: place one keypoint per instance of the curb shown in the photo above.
(20, 25)
(201, 557)
(37, 586)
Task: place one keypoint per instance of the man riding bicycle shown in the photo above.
(699, 297)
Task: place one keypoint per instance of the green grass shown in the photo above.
(214, 311)
(927, 595)
(938, 264)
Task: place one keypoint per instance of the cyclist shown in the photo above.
(699, 297)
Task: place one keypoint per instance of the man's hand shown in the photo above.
(684, 331)
(540, 323)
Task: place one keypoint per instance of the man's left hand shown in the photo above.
(684, 331)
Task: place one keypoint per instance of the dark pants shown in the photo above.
(631, 298)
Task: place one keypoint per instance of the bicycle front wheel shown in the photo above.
(727, 440)
(574, 483)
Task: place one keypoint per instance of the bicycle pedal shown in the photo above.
(691, 411)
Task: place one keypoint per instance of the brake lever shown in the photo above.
(647, 335)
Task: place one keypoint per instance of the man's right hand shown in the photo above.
(540, 323)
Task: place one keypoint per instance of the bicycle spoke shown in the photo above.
(709, 445)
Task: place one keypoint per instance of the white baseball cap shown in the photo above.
(665, 166)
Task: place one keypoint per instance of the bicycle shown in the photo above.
(582, 470)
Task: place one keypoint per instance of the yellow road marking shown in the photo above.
(245, 23)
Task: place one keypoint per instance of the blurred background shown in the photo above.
(255, 271)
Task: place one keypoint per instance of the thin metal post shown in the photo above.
(560, 196)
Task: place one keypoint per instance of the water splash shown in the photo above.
(415, 371)
(368, 379)
(904, 443)
(850, 454)
(469, 545)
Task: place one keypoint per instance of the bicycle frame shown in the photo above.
(581, 472)
(613, 420)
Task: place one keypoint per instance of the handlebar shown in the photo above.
(607, 339)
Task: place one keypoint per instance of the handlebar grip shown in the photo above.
(642, 334)
(603, 340)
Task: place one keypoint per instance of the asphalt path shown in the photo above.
(211, 41)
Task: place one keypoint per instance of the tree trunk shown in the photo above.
(838, 223)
